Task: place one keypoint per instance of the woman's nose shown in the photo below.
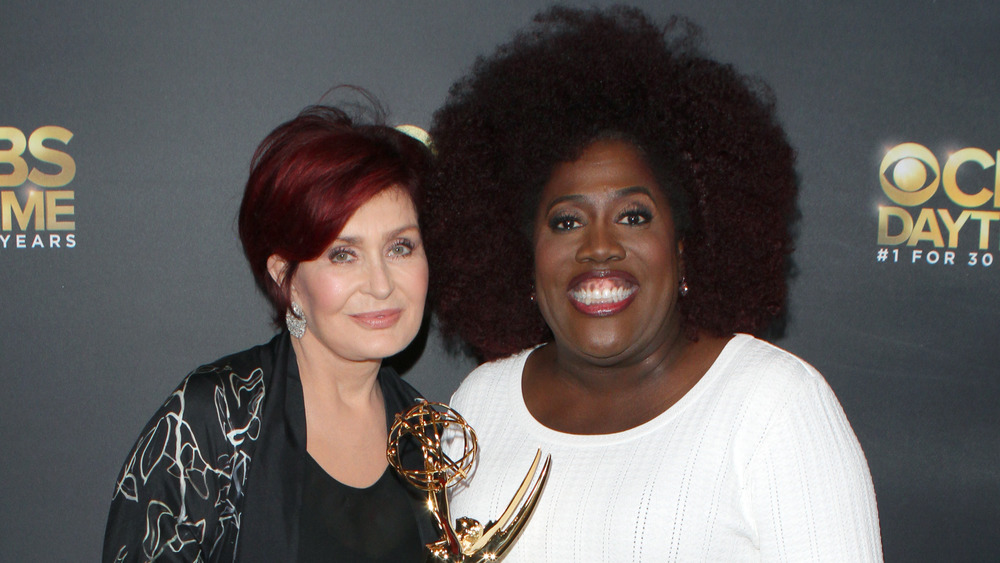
(380, 283)
(600, 244)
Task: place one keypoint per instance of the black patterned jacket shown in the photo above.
(216, 474)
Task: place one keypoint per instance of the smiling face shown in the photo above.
(607, 263)
(364, 296)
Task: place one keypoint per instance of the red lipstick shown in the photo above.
(602, 293)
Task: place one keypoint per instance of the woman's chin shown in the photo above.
(599, 351)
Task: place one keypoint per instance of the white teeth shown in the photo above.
(606, 295)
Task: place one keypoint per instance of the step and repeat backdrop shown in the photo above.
(126, 133)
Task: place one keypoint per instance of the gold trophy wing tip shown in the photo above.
(502, 542)
(518, 519)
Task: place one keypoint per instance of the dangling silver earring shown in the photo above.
(531, 297)
(295, 320)
(683, 289)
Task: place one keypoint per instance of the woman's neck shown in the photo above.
(569, 393)
(333, 379)
(345, 414)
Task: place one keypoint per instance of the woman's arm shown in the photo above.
(810, 489)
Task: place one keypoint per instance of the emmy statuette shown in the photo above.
(467, 541)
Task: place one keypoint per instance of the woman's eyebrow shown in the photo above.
(619, 194)
(395, 233)
(562, 198)
(631, 190)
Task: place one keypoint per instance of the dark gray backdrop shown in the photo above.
(167, 102)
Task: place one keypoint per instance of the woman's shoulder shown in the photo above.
(218, 405)
(766, 383)
(487, 380)
(223, 395)
(261, 356)
(503, 368)
(766, 367)
(214, 418)
(233, 373)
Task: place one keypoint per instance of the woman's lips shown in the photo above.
(385, 318)
(602, 293)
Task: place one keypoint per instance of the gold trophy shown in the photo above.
(468, 541)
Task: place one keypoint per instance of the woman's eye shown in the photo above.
(341, 256)
(634, 217)
(401, 248)
(564, 223)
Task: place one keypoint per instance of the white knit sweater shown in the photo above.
(756, 463)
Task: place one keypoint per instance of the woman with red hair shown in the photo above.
(277, 453)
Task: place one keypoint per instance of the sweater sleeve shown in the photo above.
(809, 488)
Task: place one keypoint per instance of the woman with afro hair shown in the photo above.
(608, 226)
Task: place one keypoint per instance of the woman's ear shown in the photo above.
(276, 267)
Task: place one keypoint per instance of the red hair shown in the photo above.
(307, 179)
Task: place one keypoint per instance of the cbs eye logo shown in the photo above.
(910, 175)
